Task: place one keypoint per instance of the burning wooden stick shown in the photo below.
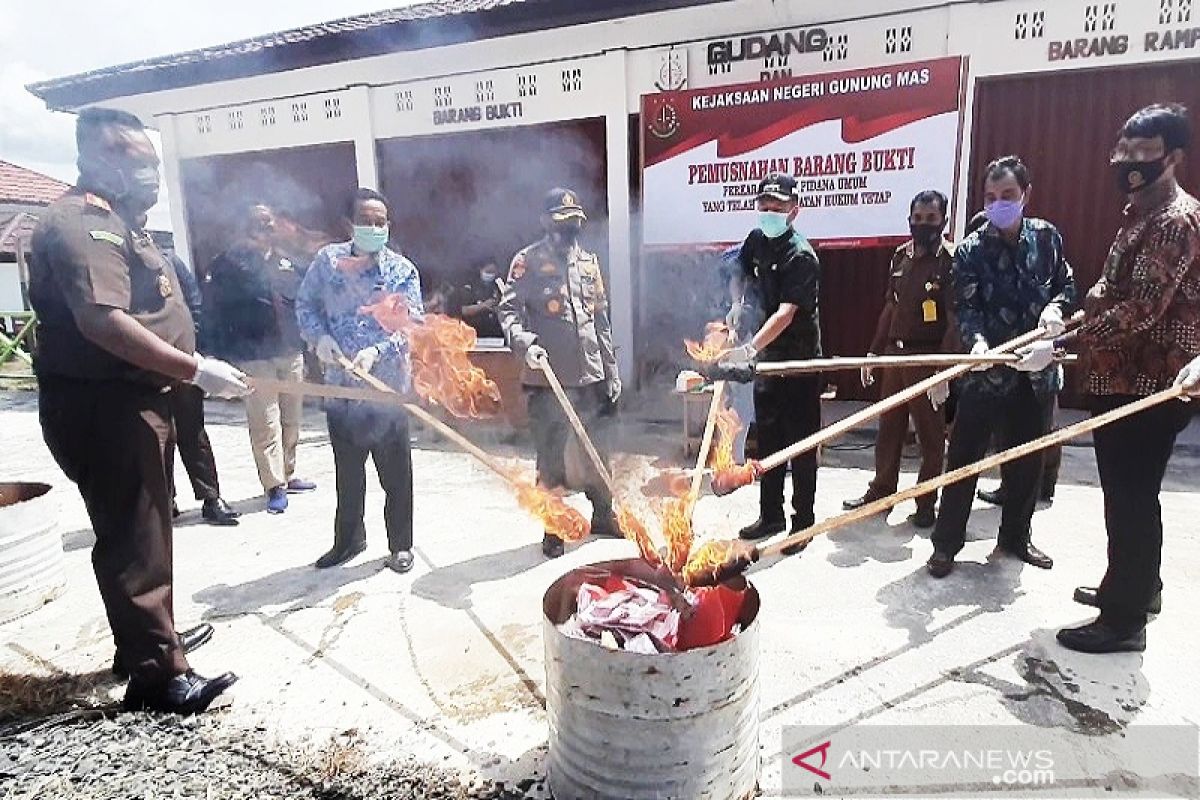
(730, 480)
(710, 427)
(718, 561)
(745, 373)
(569, 409)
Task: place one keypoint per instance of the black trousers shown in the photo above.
(1015, 418)
(1132, 456)
(552, 430)
(359, 431)
(110, 438)
(787, 410)
(191, 439)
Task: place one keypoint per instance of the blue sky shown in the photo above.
(40, 39)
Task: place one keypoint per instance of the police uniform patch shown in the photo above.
(553, 306)
(164, 286)
(96, 201)
(285, 265)
(107, 236)
(549, 268)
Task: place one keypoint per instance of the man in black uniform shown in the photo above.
(114, 336)
(478, 300)
(187, 414)
(784, 268)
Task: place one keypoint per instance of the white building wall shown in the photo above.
(603, 69)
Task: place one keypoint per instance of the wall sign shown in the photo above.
(860, 144)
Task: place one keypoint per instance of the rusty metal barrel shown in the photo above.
(629, 726)
(31, 552)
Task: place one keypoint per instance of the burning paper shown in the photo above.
(717, 342)
(627, 611)
(441, 368)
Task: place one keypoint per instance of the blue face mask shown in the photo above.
(1005, 214)
(773, 223)
(369, 239)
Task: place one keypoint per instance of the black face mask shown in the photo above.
(926, 235)
(1134, 176)
(134, 189)
(566, 233)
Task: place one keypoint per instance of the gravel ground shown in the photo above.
(147, 757)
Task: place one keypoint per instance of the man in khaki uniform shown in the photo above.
(554, 307)
(114, 336)
(915, 319)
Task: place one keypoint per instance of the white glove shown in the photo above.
(1189, 379)
(614, 389)
(981, 347)
(219, 379)
(743, 354)
(328, 350)
(867, 374)
(535, 356)
(1052, 321)
(939, 394)
(1035, 357)
(364, 360)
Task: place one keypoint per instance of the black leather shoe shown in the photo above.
(1100, 637)
(923, 518)
(552, 546)
(762, 528)
(218, 512)
(605, 526)
(1029, 554)
(995, 496)
(859, 502)
(184, 694)
(189, 640)
(940, 564)
(340, 555)
(400, 561)
(1087, 596)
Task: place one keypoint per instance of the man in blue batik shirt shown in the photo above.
(1009, 277)
(342, 280)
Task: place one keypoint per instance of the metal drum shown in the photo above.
(627, 726)
(31, 552)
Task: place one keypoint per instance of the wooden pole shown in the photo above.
(710, 425)
(887, 404)
(1049, 440)
(576, 423)
(384, 396)
(779, 368)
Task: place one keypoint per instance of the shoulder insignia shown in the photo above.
(96, 201)
(107, 236)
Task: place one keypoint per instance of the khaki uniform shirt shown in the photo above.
(918, 304)
(558, 301)
(83, 254)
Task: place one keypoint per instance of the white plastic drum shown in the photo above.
(31, 553)
(628, 726)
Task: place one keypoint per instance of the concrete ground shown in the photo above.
(446, 663)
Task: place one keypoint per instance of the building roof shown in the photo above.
(437, 23)
(13, 229)
(26, 187)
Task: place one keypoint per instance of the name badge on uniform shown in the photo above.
(164, 286)
(929, 311)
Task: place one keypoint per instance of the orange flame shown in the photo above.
(636, 532)
(676, 517)
(442, 371)
(729, 425)
(727, 480)
(708, 559)
(557, 518)
(716, 343)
